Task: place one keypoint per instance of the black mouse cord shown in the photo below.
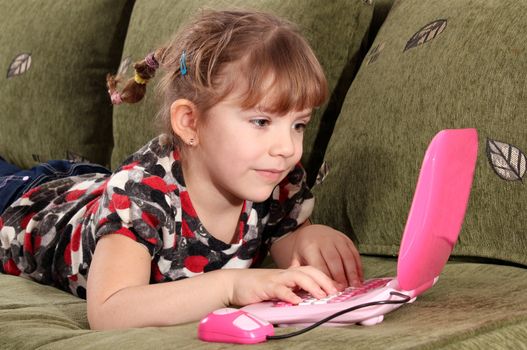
(405, 299)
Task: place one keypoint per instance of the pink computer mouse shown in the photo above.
(230, 325)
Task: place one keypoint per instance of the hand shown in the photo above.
(328, 250)
(255, 285)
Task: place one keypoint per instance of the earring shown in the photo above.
(191, 142)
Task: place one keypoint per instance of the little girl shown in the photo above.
(207, 199)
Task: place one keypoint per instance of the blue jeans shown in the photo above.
(14, 182)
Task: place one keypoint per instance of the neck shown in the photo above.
(218, 211)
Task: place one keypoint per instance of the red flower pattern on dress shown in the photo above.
(145, 200)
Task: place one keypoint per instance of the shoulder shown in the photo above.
(294, 185)
(145, 186)
(159, 150)
(152, 166)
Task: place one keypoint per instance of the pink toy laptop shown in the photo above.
(431, 231)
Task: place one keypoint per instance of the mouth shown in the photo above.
(271, 174)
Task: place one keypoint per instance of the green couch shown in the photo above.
(399, 71)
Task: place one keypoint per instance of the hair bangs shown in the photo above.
(283, 73)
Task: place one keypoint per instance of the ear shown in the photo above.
(184, 120)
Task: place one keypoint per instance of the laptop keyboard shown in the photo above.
(346, 294)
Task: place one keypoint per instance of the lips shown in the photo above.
(270, 174)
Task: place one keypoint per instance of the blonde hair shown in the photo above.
(261, 44)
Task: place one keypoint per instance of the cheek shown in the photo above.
(236, 151)
(299, 144)
(247, 152)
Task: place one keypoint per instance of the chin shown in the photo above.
(258, 197)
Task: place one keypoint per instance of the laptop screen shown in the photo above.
(438, 207)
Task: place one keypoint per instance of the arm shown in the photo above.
(119, 294)
(322, 247)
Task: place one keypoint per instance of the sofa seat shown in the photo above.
(462, 311)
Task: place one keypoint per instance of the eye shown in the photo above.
(300, 126)
(260, 122)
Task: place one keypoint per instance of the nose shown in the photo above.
(284, 144)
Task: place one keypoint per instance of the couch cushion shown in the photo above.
(380, 11)
(55, 57)
(335, 30)
(434, 65)
(474, 305)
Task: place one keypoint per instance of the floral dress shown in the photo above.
(50, 233)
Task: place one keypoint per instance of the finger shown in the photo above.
(306, 283)
(316, 260)
(286, 294)
(352, 265)
(335, 263)
(358, 261)
(321, 279)
(295, 262)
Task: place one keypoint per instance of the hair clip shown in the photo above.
(116, 98)
(151, 61)
(139, 80)
(183, 63)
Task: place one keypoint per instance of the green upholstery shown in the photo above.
(472, 74)
(335, 30)
(462, 311)
(467, 71)
(54, 100)
(380, 12)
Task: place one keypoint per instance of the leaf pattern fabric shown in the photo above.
(507, 161)
(427, 33)
(21, 64)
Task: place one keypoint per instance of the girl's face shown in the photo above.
(246, 153)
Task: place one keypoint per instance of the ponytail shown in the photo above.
(135, 88)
